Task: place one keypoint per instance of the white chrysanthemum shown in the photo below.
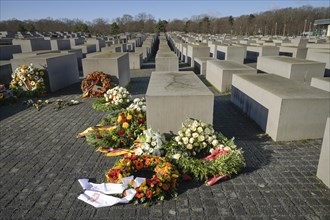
(204, 144)
(176, 156)
(215, 142)
(185, 140)
(195, 135)
(227, 148)
(201, 138)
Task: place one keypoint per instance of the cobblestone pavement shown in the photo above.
(41, 160)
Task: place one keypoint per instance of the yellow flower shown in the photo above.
(129, 117)
(41, 73)
(125, 125)
(119, 119)
(1, 95)
(24, 67)
(13, 84)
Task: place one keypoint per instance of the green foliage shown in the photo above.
(114, 28)
(161, 26)
(128, 125)
(30, 27)
(100, 105)
(81, 28)
(201, 170)
(20, 28)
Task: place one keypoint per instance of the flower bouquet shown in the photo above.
(28, 81)
(139, 104)
(6, 96)
(162, 183)
(95, 84)
(196, 136)
(149, 142)
(204, 154)
(114, 99)
(125, 127)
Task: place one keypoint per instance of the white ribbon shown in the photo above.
(95, 194)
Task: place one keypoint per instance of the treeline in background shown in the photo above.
(288, 21)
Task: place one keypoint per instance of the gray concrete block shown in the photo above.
(220, 73)
(231, 53)
(60, 44)
(201, 64)
(196, 51)
(166, 61)
(299, 70)
(323, 168)
(135, 60)
(114, 64)
(286, 110)
(295, 52)
(98, 42)
(5, 72)
(321, 83)
(62, 69)
(33, 44)
(7, 51)
(173, 97)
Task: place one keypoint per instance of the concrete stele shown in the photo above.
(323, 168)
(114, 64)
(299, 70)
(220, 73)
(321, 83)
(173, 97)
(285, 109)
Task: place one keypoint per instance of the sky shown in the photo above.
(88, 10)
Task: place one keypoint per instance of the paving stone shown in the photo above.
(41, 160)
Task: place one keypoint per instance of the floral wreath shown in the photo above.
(28, 81)
(114, 99)
(162, 183)
(195, 139)
(93, 79)
(124, 128)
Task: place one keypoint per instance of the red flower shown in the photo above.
(124, 120)
(141, 120)
(149, 193)
(122, 114)
(130, 135)
(165, 187)
(121, 132)
(98, 136)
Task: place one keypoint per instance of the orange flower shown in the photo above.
(149, 193)
(139, 195)
(147, 163)
(138, 165)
